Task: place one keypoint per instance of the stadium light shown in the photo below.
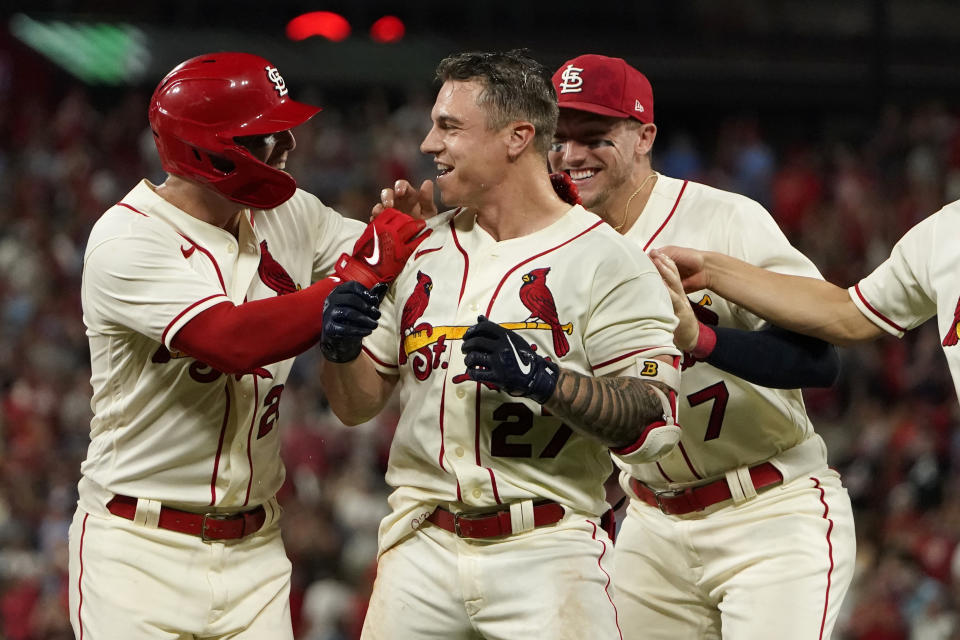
(325, 24)
(387, 29)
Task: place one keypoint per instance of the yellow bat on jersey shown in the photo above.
(420, 339)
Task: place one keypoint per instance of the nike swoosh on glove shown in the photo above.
(500, 357)
(382, 249)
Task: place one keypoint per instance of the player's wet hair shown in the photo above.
(516, 87)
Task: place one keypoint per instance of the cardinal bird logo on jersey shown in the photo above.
(953, 336)
(536, 297)
(415, 306)
(273, 274)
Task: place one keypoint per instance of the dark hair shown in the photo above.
(515, 87)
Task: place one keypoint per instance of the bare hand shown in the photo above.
(687, 333)
(690, 264)
(416, 203)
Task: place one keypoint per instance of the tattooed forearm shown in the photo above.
(613, 410)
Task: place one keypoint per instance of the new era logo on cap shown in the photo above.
(605, 86)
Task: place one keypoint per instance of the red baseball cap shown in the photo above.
(605, 86)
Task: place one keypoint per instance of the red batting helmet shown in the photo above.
(204, 103)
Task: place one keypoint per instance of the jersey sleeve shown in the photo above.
(143, 284)
(336, 234)
(895, 296)
(754, 237)
(383, 345)
(631, 319)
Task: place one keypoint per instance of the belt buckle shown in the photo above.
(212, 516)
(470, 516)
(673, 493)
(658, 495)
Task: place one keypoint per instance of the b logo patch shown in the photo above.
(273, 75)
(571, 82)
(650, 368)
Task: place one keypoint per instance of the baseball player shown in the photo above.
(742, 531)
(526, 340)
(196, 296)
(916, 282)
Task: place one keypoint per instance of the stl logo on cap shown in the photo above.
(273, 75)
(570, 80)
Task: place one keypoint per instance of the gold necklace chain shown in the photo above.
(633, 195)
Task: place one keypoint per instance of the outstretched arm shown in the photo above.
(773, 357)
(805, 305)
(219, 335)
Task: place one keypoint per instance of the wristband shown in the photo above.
(706, 342)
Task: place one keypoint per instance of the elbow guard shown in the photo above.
(660, 436)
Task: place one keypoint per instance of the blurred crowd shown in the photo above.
(842, 195)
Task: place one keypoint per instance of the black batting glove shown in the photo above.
(350, 313)
(501, 358)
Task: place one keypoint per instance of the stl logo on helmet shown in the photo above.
(570, 80)
(273, 75)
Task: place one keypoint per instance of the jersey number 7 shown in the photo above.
(719, 394)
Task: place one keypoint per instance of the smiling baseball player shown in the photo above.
(526, 340)
(196, 296)
(742, 531)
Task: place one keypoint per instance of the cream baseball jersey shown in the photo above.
(727, 422)
(577, 292)
(919, 280)
(165, 426)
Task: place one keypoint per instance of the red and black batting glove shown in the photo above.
(382, 249)
(501, 358)
(350, 314)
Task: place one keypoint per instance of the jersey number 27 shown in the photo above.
(517, 421)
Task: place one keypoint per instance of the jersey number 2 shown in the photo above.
(719, 394)
(271, 405)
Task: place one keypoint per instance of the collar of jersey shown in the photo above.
(144, 199)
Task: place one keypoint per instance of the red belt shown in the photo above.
(209, 526)
(492, 524)
(677, 503)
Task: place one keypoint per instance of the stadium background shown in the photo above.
(843, 118)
